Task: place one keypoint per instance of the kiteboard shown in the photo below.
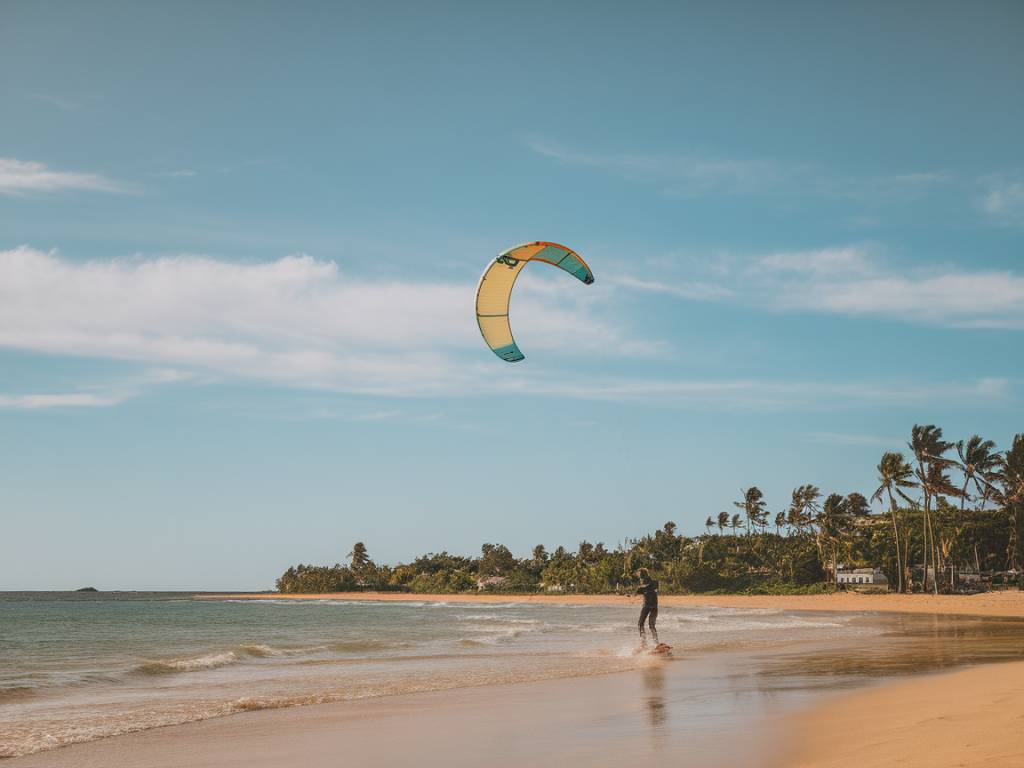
(661, 649)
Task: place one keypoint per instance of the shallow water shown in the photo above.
(80, 667)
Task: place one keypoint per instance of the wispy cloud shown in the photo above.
(104, 395)
(680, 172)
(376, 416)
(993, 299)
(693, 291)
(36, 402)
(852, 440)
(64, 104)
(20, 177)
(776, 394)
(1003, 199)
(701, 172)
(855, 280)
(901, 187)
(181, 173)
(825, 262)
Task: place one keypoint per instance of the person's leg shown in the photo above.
(652, 620)
(640, 625)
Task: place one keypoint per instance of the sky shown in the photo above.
(239, 247)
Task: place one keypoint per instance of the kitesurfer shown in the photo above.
(649, 613)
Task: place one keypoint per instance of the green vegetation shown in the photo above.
(944, 516)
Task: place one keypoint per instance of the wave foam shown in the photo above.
(188, 664)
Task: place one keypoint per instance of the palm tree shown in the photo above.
(723, 521)
(736, 522)
(832, 524)
(1008, 490)
(978, 460)
(894, 475)
(754, 508)
(780, 520)
(540, 556)
(358, 557)
(927, 445)
(708, 524)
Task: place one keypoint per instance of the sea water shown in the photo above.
(81, 666)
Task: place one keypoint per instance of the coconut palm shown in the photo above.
(358, 557)
(708, 524)
(978, 459)
(894, 475)
(723, 521)
(833, 527)
(1008, 490)
(780, 520)
(754, 507)
(928, 447)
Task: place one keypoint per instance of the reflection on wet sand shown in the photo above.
(654, 684)
(908, 645)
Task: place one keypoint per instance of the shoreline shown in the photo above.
(1004, 604)
(969, 715)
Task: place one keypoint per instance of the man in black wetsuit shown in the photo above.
(649, 589)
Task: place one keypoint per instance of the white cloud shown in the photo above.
(295, 321)
(852, 280)
(1003, 200)
(953, 299)
(20, 177)
(302, 323)
(36, 402)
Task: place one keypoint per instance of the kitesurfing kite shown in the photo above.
(495, 289)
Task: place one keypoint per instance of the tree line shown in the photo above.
(950, 508)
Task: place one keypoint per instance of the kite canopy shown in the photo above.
(495, 290)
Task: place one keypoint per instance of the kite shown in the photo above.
(495, 290)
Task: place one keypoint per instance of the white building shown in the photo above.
(491, 582)
(862, 576)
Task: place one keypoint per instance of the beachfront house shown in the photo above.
(862, 577)
(491, 582)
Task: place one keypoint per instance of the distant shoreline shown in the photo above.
(1007, 604)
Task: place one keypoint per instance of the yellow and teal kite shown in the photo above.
(495, 290)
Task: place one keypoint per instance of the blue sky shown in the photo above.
(238, 254)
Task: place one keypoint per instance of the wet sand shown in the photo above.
(1009, 603)
(745, 707)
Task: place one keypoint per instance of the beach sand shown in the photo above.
(971, 718)
(1008, 604)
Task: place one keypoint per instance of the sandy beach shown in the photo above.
(966, 719)
(1006, 604)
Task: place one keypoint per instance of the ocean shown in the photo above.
(81, 666)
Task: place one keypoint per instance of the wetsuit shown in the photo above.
(650, 610)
